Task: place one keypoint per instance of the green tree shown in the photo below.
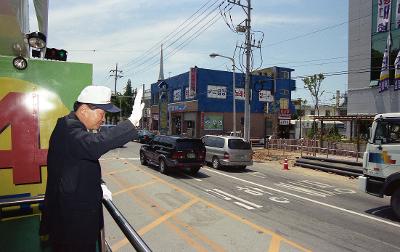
(127, 100)
(313, 85)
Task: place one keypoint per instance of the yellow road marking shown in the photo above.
(146, 201)
(118, 171)
(275, 244)
(166, 216)
(153, 209)
(133, 188)
(227, 213)
(155, 223)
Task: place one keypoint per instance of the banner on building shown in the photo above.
(240, 94)
(193, 80)
(188, 94)
(217, 92)
(384, 79)
(177, 95)
(398, 14)
(383, 16)
(397, 72)
(265, 96)
(213, 122)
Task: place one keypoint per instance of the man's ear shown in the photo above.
(82, 109)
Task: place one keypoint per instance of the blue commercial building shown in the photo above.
(200, 102)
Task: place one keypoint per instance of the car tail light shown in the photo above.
(178, 155)
(226, 155)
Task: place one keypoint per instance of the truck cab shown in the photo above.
(381, 160)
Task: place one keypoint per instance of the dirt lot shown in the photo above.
(274, 160)
(277, 156)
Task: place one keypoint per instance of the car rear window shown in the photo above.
(238, 144)
(189, 144)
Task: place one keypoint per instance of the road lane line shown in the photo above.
(244, 205)
(310, 200)
(301, 189)
(133, 188)
(237, 198)
(223, 196)
(191, 177)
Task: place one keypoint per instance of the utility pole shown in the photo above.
(247, 79)
(142, 101)
(248, 48)
(116, 74)
(300, 114)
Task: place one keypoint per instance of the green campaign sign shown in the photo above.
(213, 122)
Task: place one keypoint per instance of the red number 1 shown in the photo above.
(25, 158)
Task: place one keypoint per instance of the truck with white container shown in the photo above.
(381, 161)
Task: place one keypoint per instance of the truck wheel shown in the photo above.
(395, 202)
(163, 167)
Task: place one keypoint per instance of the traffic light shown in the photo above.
(56, 54)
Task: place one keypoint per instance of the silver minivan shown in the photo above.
(229, 151)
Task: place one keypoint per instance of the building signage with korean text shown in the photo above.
(193, 79)
(176, 107)
(240, 94)
(177, 95)
(383, 15)
(217, 92)
(265, 96)
(189, 94)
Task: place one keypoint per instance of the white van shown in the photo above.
(229, 151)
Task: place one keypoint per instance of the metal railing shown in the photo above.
(310, 147)
(133, 237)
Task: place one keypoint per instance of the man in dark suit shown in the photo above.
(72, 214)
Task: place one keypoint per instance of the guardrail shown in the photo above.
(136, 241)
(308, 147)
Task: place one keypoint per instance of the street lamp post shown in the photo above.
(213, 55)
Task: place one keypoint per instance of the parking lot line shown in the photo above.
(227, 213)
(179, 227)
(134, 187)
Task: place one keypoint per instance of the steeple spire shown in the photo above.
(161, 76)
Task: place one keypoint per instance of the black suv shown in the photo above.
(174, 152)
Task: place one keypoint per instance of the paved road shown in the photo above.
(261, 209)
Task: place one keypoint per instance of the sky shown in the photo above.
(309, 36)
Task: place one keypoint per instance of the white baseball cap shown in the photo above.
(99, 96)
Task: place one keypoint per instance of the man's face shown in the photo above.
(92, 118)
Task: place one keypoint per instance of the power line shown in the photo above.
(141, 59)
(193, 36)
(316, 31)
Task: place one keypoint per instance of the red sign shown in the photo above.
(193, 80)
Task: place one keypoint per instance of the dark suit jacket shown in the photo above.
(72, 207)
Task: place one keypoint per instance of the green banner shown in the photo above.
(213, 122)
